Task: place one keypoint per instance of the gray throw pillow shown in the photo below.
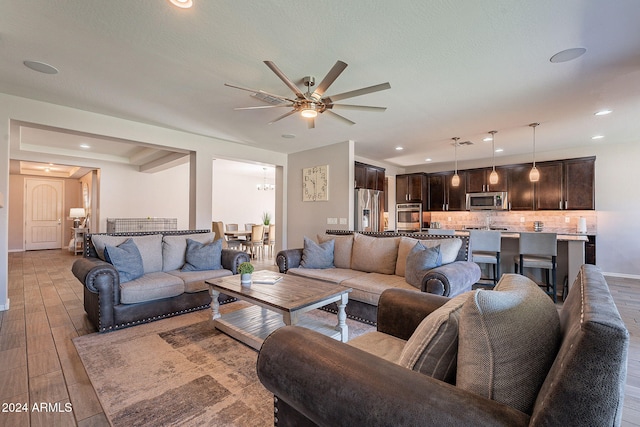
(126, 259)
(202, 256)
(420, 260)
(316, 255)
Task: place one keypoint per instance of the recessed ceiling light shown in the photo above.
(428, 159)
(499, 150)
(288, 135)
(597, 137)
(602, 112)
(568, 55)
(85, 146)
(399, 148)
(487, 139)
(183, 4)
(41, 67)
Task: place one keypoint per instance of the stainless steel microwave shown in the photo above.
(490, 201)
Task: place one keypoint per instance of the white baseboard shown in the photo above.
(5, 307)
(624, 276)
(15, 250)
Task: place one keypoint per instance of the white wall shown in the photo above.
(235, 196)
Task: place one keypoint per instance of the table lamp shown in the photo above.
(76, 214)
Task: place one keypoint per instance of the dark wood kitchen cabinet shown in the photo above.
(445, 197)
(368, 176)
(412, 188)
(579, 183)
(478, 180)
(566, 185)
(520, 188)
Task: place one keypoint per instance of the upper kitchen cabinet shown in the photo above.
(520, 188)
(478, 180)
(579, 188)
(566, 184)
(369, 176)
(412, 188)
(445, 197)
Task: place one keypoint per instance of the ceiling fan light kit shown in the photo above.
(310, 104)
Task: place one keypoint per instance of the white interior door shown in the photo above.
(43, 210)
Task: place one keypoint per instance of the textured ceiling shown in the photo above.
(456, 68)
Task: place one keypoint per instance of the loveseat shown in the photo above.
(516, 362)
(172, 274)
(371, 262)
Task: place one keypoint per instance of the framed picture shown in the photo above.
(315, 184)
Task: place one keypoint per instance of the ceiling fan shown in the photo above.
(310, 104)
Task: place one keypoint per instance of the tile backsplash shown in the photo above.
(565, 222)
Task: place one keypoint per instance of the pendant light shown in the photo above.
(534, 175)
(455, 181)
(493, 177)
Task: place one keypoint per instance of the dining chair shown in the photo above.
(248, 227)
(485, 249)
(233, 243)
(539, 250)
(270, 239)
(218, 228)
(255, 245)
(232, 227)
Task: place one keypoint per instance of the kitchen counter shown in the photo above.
(516, 235)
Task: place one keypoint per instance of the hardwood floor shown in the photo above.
(40, 365)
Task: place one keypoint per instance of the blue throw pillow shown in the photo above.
(419, 260)
(316, 255)
(201, 256)
(126, 259)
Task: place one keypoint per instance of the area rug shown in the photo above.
(180, 371)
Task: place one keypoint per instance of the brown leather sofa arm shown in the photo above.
(333, 384)
(400, 311)
(231, 259)
(288, 258)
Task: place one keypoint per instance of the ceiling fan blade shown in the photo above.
(356, 107)
(338, 116)
(259, 91)
(331, 76)
(311, 123)
(284, 78)
(283, 116)
(263, 106)
(358, 92)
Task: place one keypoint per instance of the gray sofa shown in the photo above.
(318, 381)
(371, 262)
(163, 290)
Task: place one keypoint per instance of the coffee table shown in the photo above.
(274, 306)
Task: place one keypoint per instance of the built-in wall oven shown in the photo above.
(409, 216)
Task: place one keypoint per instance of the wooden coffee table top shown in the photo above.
(289, 294)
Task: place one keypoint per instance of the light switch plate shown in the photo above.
(567, 219)
(332, 221)
(343, 221)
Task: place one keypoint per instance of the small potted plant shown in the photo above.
(244, 270)
(266, 218)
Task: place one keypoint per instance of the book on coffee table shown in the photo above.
(265, 277)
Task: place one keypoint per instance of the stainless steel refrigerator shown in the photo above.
(369, 210)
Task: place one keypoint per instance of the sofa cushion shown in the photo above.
(174, 248)
(126, 259)
(374, 254)
(194, 280)
(368, 287)
(150, 248)
(151, 287)
(380, 344)
(419, 261)
(449, 248)
(203, 256)
(509, 338)
(333, 275)
(432, 349)
(317, 255)
(342, 249)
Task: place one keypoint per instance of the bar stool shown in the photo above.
(539, 250)
(485, 249)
